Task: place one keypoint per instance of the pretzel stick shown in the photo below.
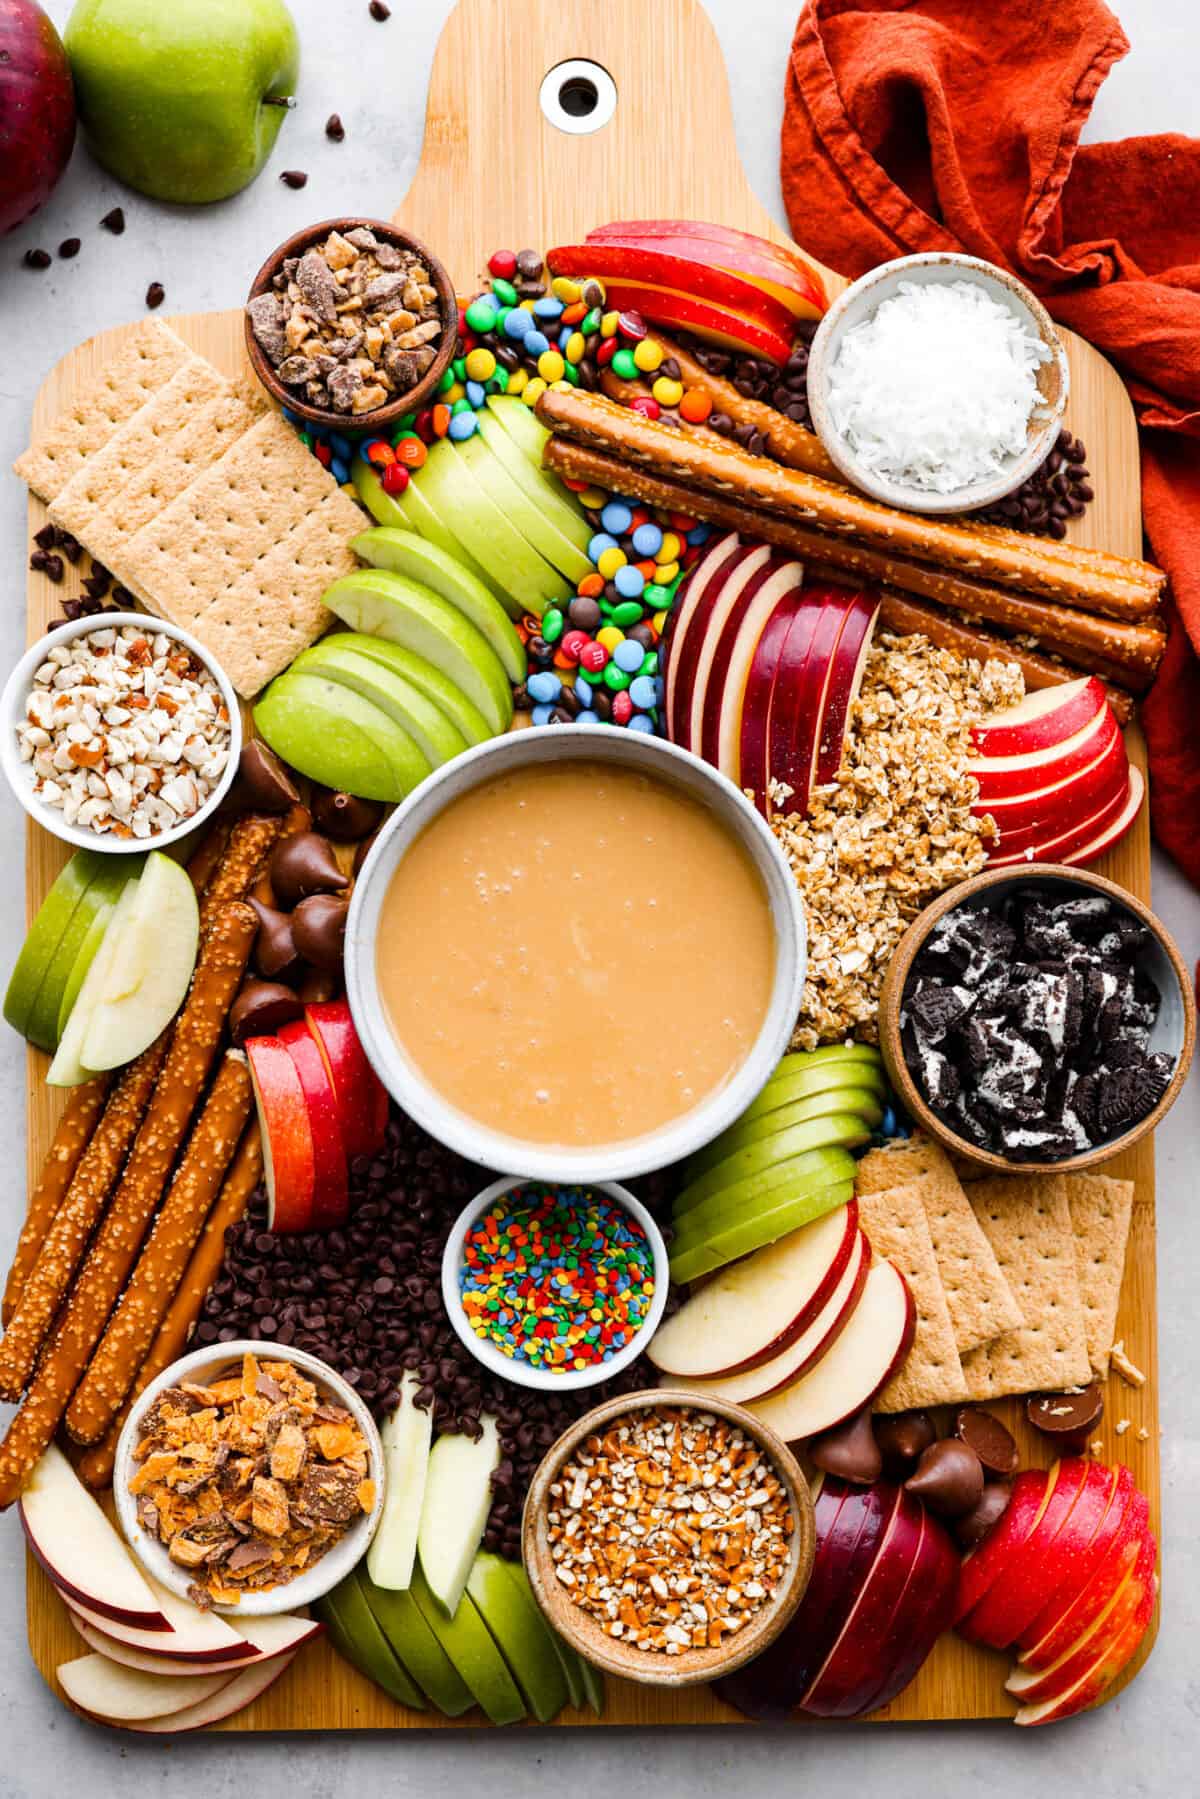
(96, 1465)
(194, 1041)
(1123, 588)
(71, 1139)
(160, 1266)
(250, 841)
(77, 1216)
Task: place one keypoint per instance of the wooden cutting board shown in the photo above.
(494, 172)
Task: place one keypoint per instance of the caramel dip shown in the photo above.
(576, 954)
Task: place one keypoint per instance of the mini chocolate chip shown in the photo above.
(379, 11)
(114, 221)
(345, 817)
(973, 1526)
(37, 259)
(53, 568)
(849, 1450)
(263, 782)
(902, 1438)
(69, 247)
(47, 537)
(335, 131)
(301, 865)
(156, 293)
(992, 1443)
(319, 930)
(294, 178)
(260, 1008)
(275, 951)
(948, 1478)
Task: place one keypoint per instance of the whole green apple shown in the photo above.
(175, 96)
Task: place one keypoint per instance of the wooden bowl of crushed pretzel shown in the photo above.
(249, 1478)
(723, 1549)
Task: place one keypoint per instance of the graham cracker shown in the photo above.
(902, 1160)
(147, 359)
(204, 438)
(145, 437)
(932, 1373)
(262, 621)
(1101, 1212)
(224, 521)
(1028, 1223)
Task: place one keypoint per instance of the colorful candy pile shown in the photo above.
(560, 1278)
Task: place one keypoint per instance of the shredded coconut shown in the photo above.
(936, 389)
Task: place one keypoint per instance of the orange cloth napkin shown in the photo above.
(916, 125)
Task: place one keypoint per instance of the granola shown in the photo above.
(249, 1479)
(352, 324)
(894, 830)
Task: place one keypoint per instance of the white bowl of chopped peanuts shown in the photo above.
(306, 1487)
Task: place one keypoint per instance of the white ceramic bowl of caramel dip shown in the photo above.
(576, 954)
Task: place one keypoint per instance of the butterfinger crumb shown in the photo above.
(1143, 1435)
(1122, 1426)
(1129, 1371)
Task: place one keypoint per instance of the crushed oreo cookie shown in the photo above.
(1027, 1026)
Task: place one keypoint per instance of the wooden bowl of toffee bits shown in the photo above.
(351, 324)
(669, 1542)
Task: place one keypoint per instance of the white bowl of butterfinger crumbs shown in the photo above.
(282, 1478)
(610, 1495)
(119, 733)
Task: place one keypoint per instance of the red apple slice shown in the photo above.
(924, 1613)
(1033, 1684)
(742, 574)
(1047, 1558)
(80, 1550)
(1080, 844)
(768, 265)
(999, 1550)
(802, 704)
(718, 325)
(866, 1354)
(289, 1165)
(1045, 717)
(849, 666)
(761, 686)
(1111, 1657)
(725, 692)
(1099, 1574)
(787, 765)
(1062, 798)
(1113, 833)
(192, 1645)
(1001, 776)
(361, 1096)
(106, 1689)
(851, 1666)
(151, 1662)
(754, 1308)
(331, 1189)
(233, 1697)
(1067, 829)
(659, 270)
(690, 602)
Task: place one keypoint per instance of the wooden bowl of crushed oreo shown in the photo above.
(669, 1540)
(1037, 1020)
(350, 324)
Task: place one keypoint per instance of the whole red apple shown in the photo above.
(37, 110)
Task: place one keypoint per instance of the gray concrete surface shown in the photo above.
(1144, 1743)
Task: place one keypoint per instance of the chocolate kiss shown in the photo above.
(345, 817)
(265, 783)
(902, 1436)
(275, 949)
(948, 1478)
(849, 1450)
(974, 1525)
(319, 928)
(317, 986)
(260, 1008)
(302, 865)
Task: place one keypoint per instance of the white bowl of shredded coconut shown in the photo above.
(937, 383)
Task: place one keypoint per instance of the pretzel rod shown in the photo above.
(194, 1042)
(71, 1139)
(65, 1242)
(95, 1466)
(250, 841)
(202, 862)
(834, 553)
(1125, 588)
(297, 819)
(160, 1266)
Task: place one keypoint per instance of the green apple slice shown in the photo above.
(522, 1636)
(593, 1685)
(844, 1129)
(810, 1168)
(861, 1102)
(430, 681)
(790, 1212)
(467, 1641)
(543, 488)
(454, 1510)
(492, 539)
(45, 934)
(101, 896)
(375, 601)
(531, 517)
(410, 511)
(67, 1068)
(403, 1624)
(335, 659)
(404, 553)
(351, 1624)
(522, 425)
(83, 961)
(151, 969)
(333, 736)
(407, 1435)
(792, 1083)
(568, 1659)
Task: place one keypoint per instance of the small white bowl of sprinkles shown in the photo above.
(552, 1285)
(937, 383)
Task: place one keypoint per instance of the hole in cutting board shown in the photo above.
(578, 96)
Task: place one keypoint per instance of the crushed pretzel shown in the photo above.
(250, 1478)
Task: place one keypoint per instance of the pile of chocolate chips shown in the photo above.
(1027, 1026)
(368, 1300)
(1055, 493)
